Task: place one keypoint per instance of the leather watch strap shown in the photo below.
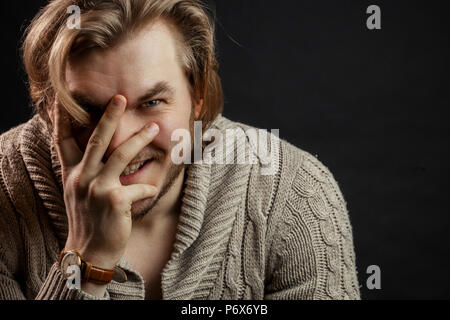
(95, 274)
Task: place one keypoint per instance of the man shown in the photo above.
(91, 181)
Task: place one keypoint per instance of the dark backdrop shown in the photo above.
(371, 104)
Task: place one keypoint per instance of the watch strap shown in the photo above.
(95, 274)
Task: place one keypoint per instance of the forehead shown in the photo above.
(130, 67)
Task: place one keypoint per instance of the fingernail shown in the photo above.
(118, 101)
(152, 127)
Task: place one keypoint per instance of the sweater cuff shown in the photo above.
(55, 288)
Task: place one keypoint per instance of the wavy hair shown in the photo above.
(49, 43)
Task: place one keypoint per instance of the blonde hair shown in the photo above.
(49, 43)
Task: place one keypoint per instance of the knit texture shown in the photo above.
(241, 234)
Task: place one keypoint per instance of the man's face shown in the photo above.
(134, 68)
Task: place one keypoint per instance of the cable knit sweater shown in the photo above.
(241, 234)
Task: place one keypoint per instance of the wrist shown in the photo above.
(86, 270)
(99, 260)
(96, 257)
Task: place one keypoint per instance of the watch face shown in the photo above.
(69, 258)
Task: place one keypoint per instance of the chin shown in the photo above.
(142, 207)
(164, 182)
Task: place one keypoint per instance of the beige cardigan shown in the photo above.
(241, 235)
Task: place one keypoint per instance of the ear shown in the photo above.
(198, 104)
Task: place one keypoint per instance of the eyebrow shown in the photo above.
(161, 87)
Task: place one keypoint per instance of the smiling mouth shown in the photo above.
(132, 168)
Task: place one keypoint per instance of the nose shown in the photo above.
(129, 124)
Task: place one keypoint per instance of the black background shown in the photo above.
(372, 104)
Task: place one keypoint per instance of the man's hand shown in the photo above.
(98, 206)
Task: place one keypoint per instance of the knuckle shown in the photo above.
(144, 137)
(96, 141)
(82, 182)
(120, 156)
(116, 197)
(149, 190)
(139, 140)
(74, 179)
(95, 188)
(77, 181)
(127, 212)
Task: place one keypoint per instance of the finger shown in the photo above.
(65, 144)
(101, 137)
(136, 192)
(123, 155)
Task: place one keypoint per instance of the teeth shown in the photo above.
(132, 168)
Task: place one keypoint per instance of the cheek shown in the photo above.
(167, 125)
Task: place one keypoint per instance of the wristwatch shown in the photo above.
(88, 271)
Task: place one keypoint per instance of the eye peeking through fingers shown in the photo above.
(95, 113)
(151, 104)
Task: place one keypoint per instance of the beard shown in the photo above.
(143, 207)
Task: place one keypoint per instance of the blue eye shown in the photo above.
(151, 104)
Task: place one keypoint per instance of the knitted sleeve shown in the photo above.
(17, 251)
(55, 288)
(313, 255)
(10, 289)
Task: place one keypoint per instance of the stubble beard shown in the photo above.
(144, 207)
